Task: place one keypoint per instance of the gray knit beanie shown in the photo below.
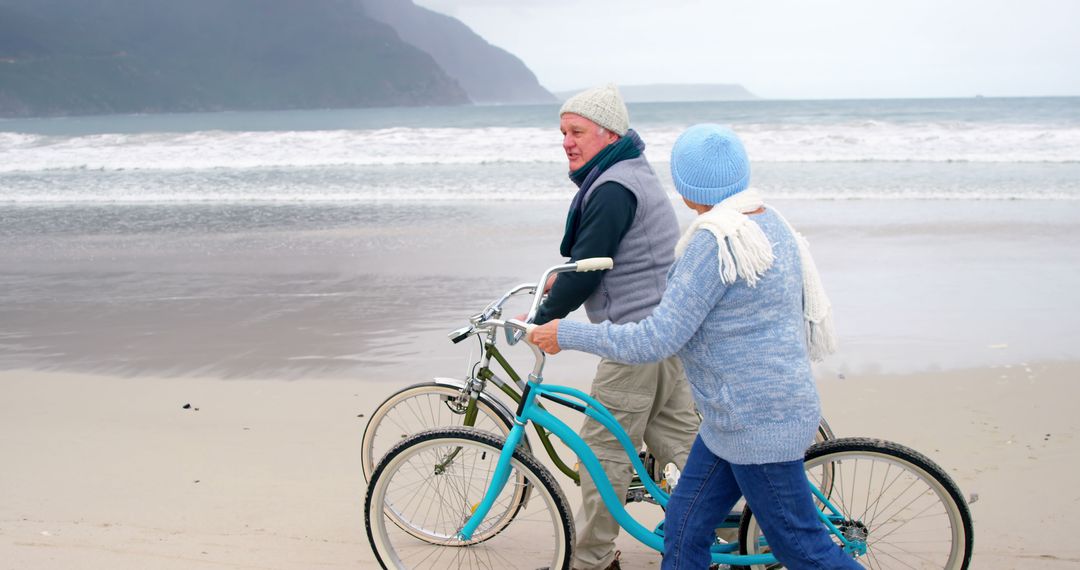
(709, 164)
(601, 105)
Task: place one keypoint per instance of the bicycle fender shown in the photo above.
(495, 403)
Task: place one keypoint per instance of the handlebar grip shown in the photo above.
(595, 264)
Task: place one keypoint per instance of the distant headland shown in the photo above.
(678, 92)
(87, 57)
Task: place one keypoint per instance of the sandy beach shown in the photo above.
(115, 473)
(186, 388)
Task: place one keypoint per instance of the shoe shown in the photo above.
(613, 566)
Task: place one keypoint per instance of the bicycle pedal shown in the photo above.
(636, 495)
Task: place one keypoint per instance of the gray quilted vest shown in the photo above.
(630, 291)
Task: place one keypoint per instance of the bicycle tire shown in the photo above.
(538, 532)
(417, 408)
(913, 492)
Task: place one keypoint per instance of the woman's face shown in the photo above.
(699, 208)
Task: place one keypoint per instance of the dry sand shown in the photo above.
(104, 472)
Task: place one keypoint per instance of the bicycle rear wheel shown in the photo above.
(436, 479)
(418, 408)
(906, 509)
(824, 432)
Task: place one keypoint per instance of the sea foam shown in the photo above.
(856, 141)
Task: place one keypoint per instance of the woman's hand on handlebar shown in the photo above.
(546, 337)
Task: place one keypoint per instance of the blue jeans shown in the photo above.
(779, 495)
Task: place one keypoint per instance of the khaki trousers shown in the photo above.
(653, 404)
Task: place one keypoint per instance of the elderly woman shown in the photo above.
(745, 312)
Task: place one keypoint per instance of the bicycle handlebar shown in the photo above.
(581, 266)
(516, 329)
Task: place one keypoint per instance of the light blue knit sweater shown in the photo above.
(744, 348)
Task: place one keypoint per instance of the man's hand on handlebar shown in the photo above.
(550, 283)
(547, 288)
(546, 337)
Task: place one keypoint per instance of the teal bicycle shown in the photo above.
(459, 497)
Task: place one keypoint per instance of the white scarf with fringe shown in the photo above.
(746, 253)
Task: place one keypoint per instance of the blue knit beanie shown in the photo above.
(709, 164)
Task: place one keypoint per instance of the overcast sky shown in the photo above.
(792, 49)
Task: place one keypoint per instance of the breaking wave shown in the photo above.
(862, 141)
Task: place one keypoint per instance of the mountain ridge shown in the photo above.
(86, 57)
(489, 74)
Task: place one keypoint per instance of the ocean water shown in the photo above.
(980, 149)
(346, 243)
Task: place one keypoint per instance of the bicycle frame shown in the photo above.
(529, 410)
(485, 374)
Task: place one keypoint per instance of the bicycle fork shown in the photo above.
(498, 481)
(502, 467)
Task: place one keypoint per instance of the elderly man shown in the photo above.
(620, 211)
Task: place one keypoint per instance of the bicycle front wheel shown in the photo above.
(418, 408)
(906, 509)
(436, 479)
